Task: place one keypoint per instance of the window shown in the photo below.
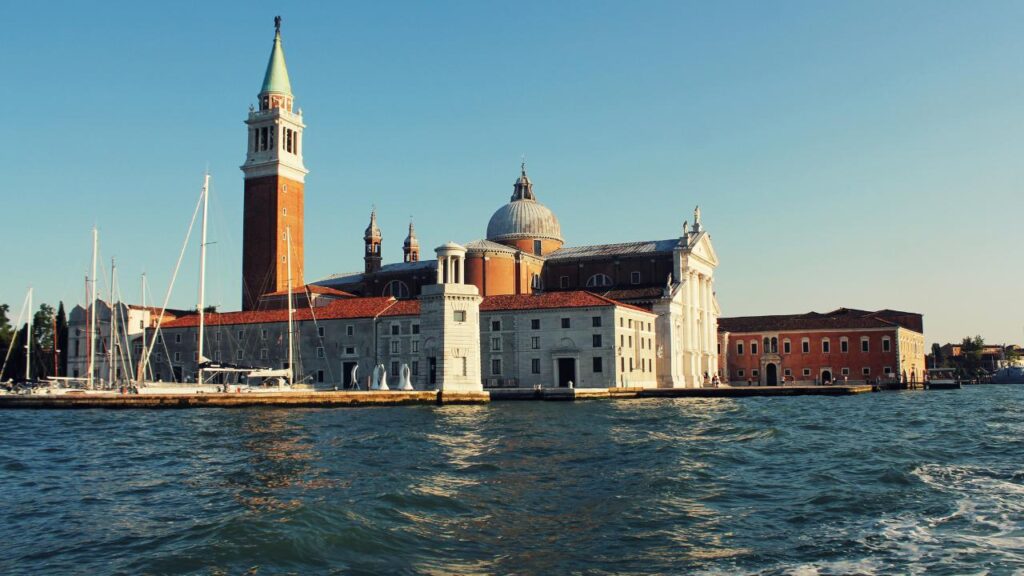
(239, 354)
(825, 346)
(263, 353)
(565, 323)
(753, 347)
(397, 289)
(241, 334)
(535, 342)
(217, 336)
(394, 329)
(495, 325)
(595, 321)
(865, 371)
(177, 338)
(634, 277)
(787, 372)
(807, 372)
(864, 346)
(805, 345)
(886, 344)
(349, 330)
(263, 334)
(537, 247)
(785, 346)
(415, 345)
(394, 346)
(629, 323)
(350, 350)
(535, 324)
(844, 371)
(630, 364)
(775, 345)
(597, 340)
(598, 364)
(886, 370)
(599, 281)
(563, 282)
(844, 345)
(496, 366)
(496, 344)
(739, 348)
(460, 315)
(177, 356)
(535, 366)
(415, 328)
(739, 373)
(754, 373)
(320, 352)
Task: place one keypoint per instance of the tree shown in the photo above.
(6, 332)
(938, 356)
(42, 327)
(62, 341)
(970, 355)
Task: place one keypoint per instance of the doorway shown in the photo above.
(566, 372)
(346, 375)
(771, 375)
(826, 376)
(432, 368)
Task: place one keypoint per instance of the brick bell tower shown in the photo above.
(274, 181)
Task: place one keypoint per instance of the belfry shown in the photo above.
(274, 185)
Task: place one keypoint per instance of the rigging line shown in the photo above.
(14, 334)
(316, 324)
(177, 267)
(125, 350)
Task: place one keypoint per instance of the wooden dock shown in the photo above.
(351, 398)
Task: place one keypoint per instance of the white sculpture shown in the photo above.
(376, 378)
(383, 378)
(406, 383)
(355, 378)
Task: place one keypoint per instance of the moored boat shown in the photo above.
(942, 379)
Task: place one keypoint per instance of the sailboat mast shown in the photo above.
(202, 275)
(92, 310)
(291, 309)
(28, 340)
(111, 371)
(145, 314)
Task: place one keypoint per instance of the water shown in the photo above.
(905, 483)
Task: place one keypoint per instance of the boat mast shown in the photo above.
(202, 275)
(92, 310)
(28, 340)
(145, 314)
(291, 311)
(111, 370)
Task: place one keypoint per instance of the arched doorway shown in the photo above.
(826, 377)
(771, 375)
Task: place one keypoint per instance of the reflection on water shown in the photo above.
(885, 483)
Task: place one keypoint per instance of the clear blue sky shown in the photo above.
(861, 154)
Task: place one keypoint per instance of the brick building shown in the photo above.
(844, 345)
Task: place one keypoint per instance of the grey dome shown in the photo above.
(524, 219)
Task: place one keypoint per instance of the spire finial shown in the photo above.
(522, 165)
(277, 24)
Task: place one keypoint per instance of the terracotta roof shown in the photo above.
(403, 308)
(315, 289)
(839, 319)
(347, 308)
(549, 300)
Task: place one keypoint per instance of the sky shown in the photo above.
(862, 154)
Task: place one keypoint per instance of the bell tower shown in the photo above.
(274, 185)
(372, 239)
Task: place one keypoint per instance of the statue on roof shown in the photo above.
(277, 24)
(696, 216)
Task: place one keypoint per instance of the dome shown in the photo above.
(523, 219)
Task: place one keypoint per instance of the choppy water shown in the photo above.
(916, 482)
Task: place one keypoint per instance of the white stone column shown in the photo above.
(440, 271)
(462, 270)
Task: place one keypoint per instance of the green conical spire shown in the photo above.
(276, 79)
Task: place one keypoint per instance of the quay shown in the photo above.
(353, 398)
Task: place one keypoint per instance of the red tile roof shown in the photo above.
(548, 300)
(839, 319)
(313, 288)
(347, 308)
(403, 308)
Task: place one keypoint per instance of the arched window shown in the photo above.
(536, 282)
(775, 345)
(397, 289)
(599, 281)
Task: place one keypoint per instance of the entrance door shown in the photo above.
(826, 377)
(566, 372)
(432, 367)
(177, 374)
(771, 375)
(346, 375)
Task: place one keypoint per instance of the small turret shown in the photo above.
(372, 240)
(411, 246)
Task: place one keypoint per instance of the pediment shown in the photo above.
(702, 249)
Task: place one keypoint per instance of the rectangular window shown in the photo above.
(535, 342)
(864, 347)
(597, 340)
(825, 346)
(886, 344)
(535, 366)
(320, 331)
(263, 353)
(629, 323)
(217, 336)
(537, 247)
(496, 366)
(394, 329)
(753, 348)
(177, 356)
(805, 346)
(622, 364)
(565, 323)
(754, 373)
(634, 277)
(460, 315)
(865, 371)
(630, 340)
(263, 334)
(739, 373)
(394, 346)
(595, 321)
(349, 330)
(496, 344)
(845, 371)
(739, 348)
(630, 364)
(886, 370)
(495, 325)
(320, 352)
(563, 282)
(598, 364)
(415, 345)
(844, 346)
(239, 354)
(787, 372)
(177, 338)
(785, 347)
(415, 328)
(350, 350)
(807, 372)
(241, 334)
(320, 376)
(535, 324)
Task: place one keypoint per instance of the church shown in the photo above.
(520, 307)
